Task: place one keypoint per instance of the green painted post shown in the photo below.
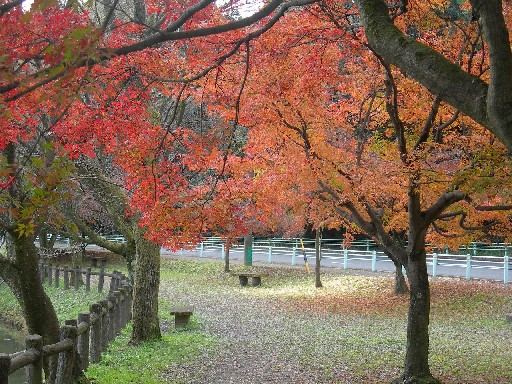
(248, 250)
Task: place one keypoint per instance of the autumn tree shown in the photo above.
(104, 183)
(49, 57)
(35, 176)
(389, 158)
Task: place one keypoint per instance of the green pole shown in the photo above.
(248, 250)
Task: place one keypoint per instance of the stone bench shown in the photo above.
(509, 318)
(244, 278)
(181, 315)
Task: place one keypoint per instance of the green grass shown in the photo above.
(146, 363)
(68, 303)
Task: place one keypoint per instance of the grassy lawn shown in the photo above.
(354, 326)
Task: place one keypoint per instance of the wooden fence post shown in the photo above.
(66, 277)
(105, 324)
(101, 279)
(47, 268)
(57, 276)
(34, 372)
(123, 306)
(88, 279)
(130, 302)
(117, 312)
(50, 274)
(84, 319)
(96, 332)
(41, 270)
(112, 282)
(67, 360)
(5, 365)
(111, 317)
(77, 274)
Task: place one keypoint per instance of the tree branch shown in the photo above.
(171, 33)
(445, 200)
(460, 89)
(427, 127)
(499, 96)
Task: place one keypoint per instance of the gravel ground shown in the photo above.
(258, 346)
(262, 339)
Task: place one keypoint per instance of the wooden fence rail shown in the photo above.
(81, 340)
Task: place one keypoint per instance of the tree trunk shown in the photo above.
(38, 310)
(400, 283)
(226, 256)
(318, 282)
(146, 324)
(417, 369)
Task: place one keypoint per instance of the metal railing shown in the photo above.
(475, 256)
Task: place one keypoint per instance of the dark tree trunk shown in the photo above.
(226, 256)
(416, 361)
(146, 325)
(26, 284)
(400, 283)
(416, 370)
(318, 282)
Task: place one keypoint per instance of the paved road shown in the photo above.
(481, 268)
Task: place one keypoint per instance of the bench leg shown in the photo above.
(243, 280)
(181, 320)
(256, 280)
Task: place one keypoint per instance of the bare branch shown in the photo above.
(445, 200)
(425, 131)
(171, 33)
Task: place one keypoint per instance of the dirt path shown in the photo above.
(256, 346)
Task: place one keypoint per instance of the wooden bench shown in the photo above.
(244, 277)
(181, 315)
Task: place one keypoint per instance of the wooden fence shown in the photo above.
(81, 340)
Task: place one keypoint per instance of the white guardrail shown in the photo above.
(291, 248)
